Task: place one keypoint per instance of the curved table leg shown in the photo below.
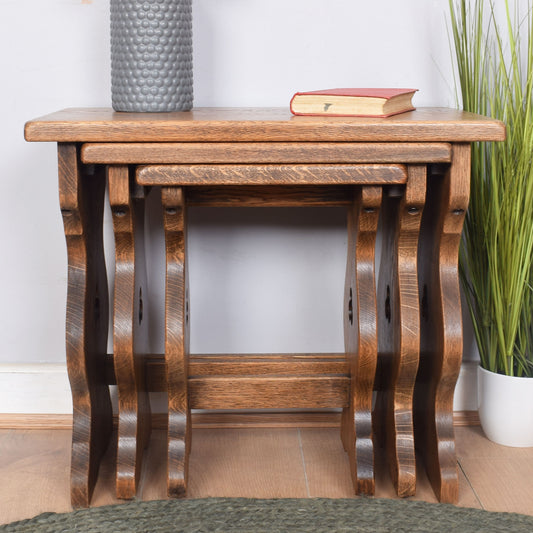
(82, 201)
(130, 332)
(176, 339)
(441, 341)
(360, 335)
(399, 336)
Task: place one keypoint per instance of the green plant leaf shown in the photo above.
(495, 74)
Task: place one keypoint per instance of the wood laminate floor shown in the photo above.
(261, 462)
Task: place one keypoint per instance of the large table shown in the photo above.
(409, 173)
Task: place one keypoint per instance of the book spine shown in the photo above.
(290, 105)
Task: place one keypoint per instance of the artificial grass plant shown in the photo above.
(495, 74)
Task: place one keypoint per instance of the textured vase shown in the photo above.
(151, 55)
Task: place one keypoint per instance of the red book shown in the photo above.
(353, 102)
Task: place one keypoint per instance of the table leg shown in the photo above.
(441, 328)
(360, 335)
(176, 339)
(130, 331)
(399, 335)
(82, 202)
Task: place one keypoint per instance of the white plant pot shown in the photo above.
(506, 408)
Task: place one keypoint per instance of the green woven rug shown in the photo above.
(272, 516)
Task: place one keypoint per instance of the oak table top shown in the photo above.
(260, 124)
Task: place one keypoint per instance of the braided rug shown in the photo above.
(272, 516)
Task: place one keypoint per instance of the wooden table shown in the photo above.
(403, 339)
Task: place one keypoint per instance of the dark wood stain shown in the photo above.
(403, 340)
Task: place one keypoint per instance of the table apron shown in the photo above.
(182, 175)
(265, 152)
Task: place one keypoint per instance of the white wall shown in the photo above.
(268, 280)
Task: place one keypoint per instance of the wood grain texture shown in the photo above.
(259, 125)
(268, 364)
(399, 335)
(268, 392)
(267, 419)
(441, 325)
(268, 157)
(176, 340)
(181, 175)
(249, 463)
(130, 329)
(25, 421)
(82, 199)
(268, 463)
(34, 473)
(264, 152)
(268, 381)
(499, 482)
(326, 468)
(360, 335)
(205, 365)
(466, 418)
(216, 419)
(270, 196)
(500, 475)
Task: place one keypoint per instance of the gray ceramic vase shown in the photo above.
(151, 55)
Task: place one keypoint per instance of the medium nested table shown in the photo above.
(409, 173)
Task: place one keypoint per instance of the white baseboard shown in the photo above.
(44, 389)
(35, 388)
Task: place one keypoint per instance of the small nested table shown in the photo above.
(411, 172)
